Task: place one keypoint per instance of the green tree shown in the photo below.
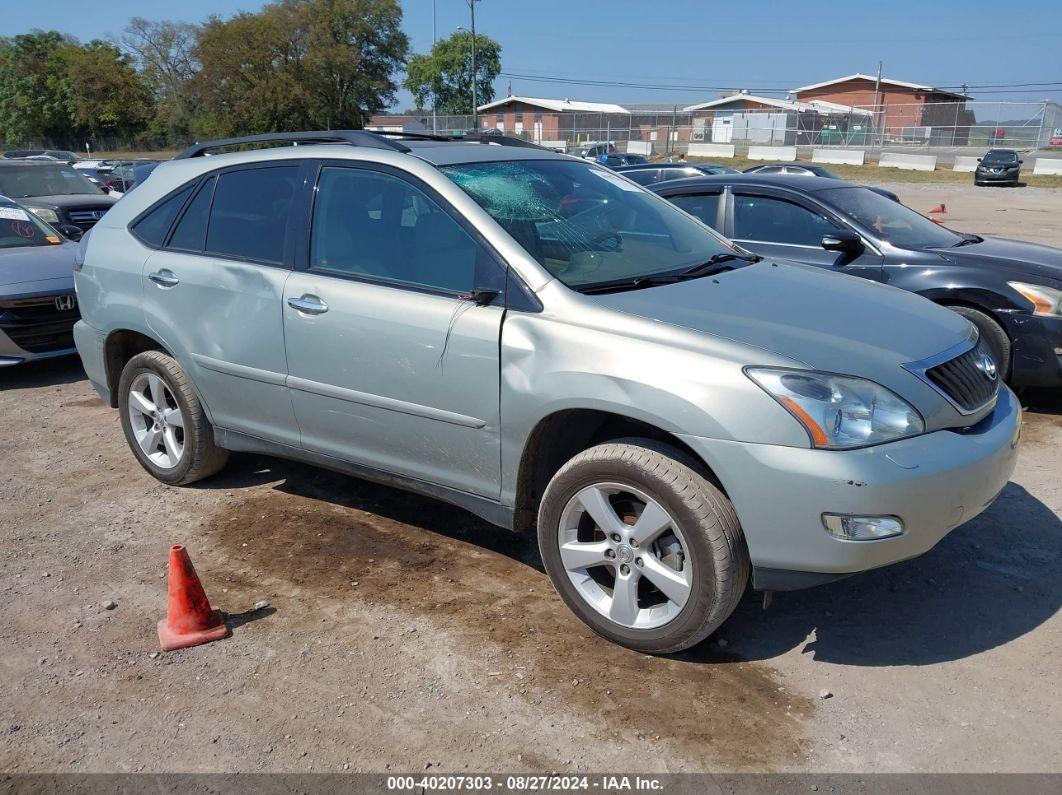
(54, 90)
(445, 74)
(299, 64)
(33, 88)
(105, 95)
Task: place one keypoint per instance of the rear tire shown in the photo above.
(992, 333)
(697, 555)
(164, 422)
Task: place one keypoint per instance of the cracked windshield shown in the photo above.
(587, 226)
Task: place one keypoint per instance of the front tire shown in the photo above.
(164, 422)
(992, 333)
(641, 546)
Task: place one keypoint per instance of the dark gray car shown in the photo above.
(998, 167)
(55, 192)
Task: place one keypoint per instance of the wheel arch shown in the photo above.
(120, 346)
(559, 436)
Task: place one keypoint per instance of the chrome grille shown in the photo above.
(39, 325)
(970, 380)
(87, 218)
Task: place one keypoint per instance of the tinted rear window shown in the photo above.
(250, 213)
(152, 228)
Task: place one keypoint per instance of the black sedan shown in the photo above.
(1012, 291)
(809, 170)
(651, 173)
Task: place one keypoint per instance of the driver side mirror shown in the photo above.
(842, 240)
(71, 232)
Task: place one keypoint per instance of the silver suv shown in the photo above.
(545, 343)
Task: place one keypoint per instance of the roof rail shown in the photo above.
(351, 137)
(462, 136)
(376, 140)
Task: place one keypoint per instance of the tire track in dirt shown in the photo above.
(485, 586)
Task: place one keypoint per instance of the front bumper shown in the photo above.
(933, 482)
(1003, 179)
(1035, 356)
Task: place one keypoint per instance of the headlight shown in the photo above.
(45, 214)
(1046, 300)
(840, 411)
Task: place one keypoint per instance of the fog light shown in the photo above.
(862, 528)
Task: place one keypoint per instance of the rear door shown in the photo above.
(782, 226)
(391, 363)
(213, 294)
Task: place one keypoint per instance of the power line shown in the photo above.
(993, 88)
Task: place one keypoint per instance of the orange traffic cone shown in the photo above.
(939, 209)
(190, 620)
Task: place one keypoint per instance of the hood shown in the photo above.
(73, 200)
(1015, 256)
(22, 268)
(823, 320)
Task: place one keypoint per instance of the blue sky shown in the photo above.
(691, 43)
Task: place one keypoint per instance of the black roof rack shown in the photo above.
(376, 140)
(352, 137)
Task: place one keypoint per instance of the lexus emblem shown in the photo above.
(64, 303)
(987, 365)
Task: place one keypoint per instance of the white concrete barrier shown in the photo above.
(1048, 165)
(908, 162)
(965, 164)
(783, 154)
(849, 157)
(639, 147)
(711, 150)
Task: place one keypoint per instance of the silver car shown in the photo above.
(545, 343)
(37, 304)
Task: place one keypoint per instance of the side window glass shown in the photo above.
(190, 234)
(367, 223)
(152, 228)
(704, 207)
(773, 220)
(249, 215)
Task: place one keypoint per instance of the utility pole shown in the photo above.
(877, 103)
(475, 101)
(434, 96)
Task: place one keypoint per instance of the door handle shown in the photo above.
(164, 278)
(308, 305)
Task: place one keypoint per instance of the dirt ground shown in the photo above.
(402, 633)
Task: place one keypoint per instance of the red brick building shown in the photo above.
(899, 107)
(553, 120)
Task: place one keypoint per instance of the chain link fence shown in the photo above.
(949, 126)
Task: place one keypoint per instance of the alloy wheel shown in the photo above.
(625, 555)
(156, 420)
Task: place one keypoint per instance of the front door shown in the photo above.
(213, 295)
(391, 364)
(781, 227)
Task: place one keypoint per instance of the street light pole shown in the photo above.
(434, 96)
(475, 101)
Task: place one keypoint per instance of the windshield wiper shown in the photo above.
(717, 263)
(969, 240)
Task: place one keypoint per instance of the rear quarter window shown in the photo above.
(152, 227)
